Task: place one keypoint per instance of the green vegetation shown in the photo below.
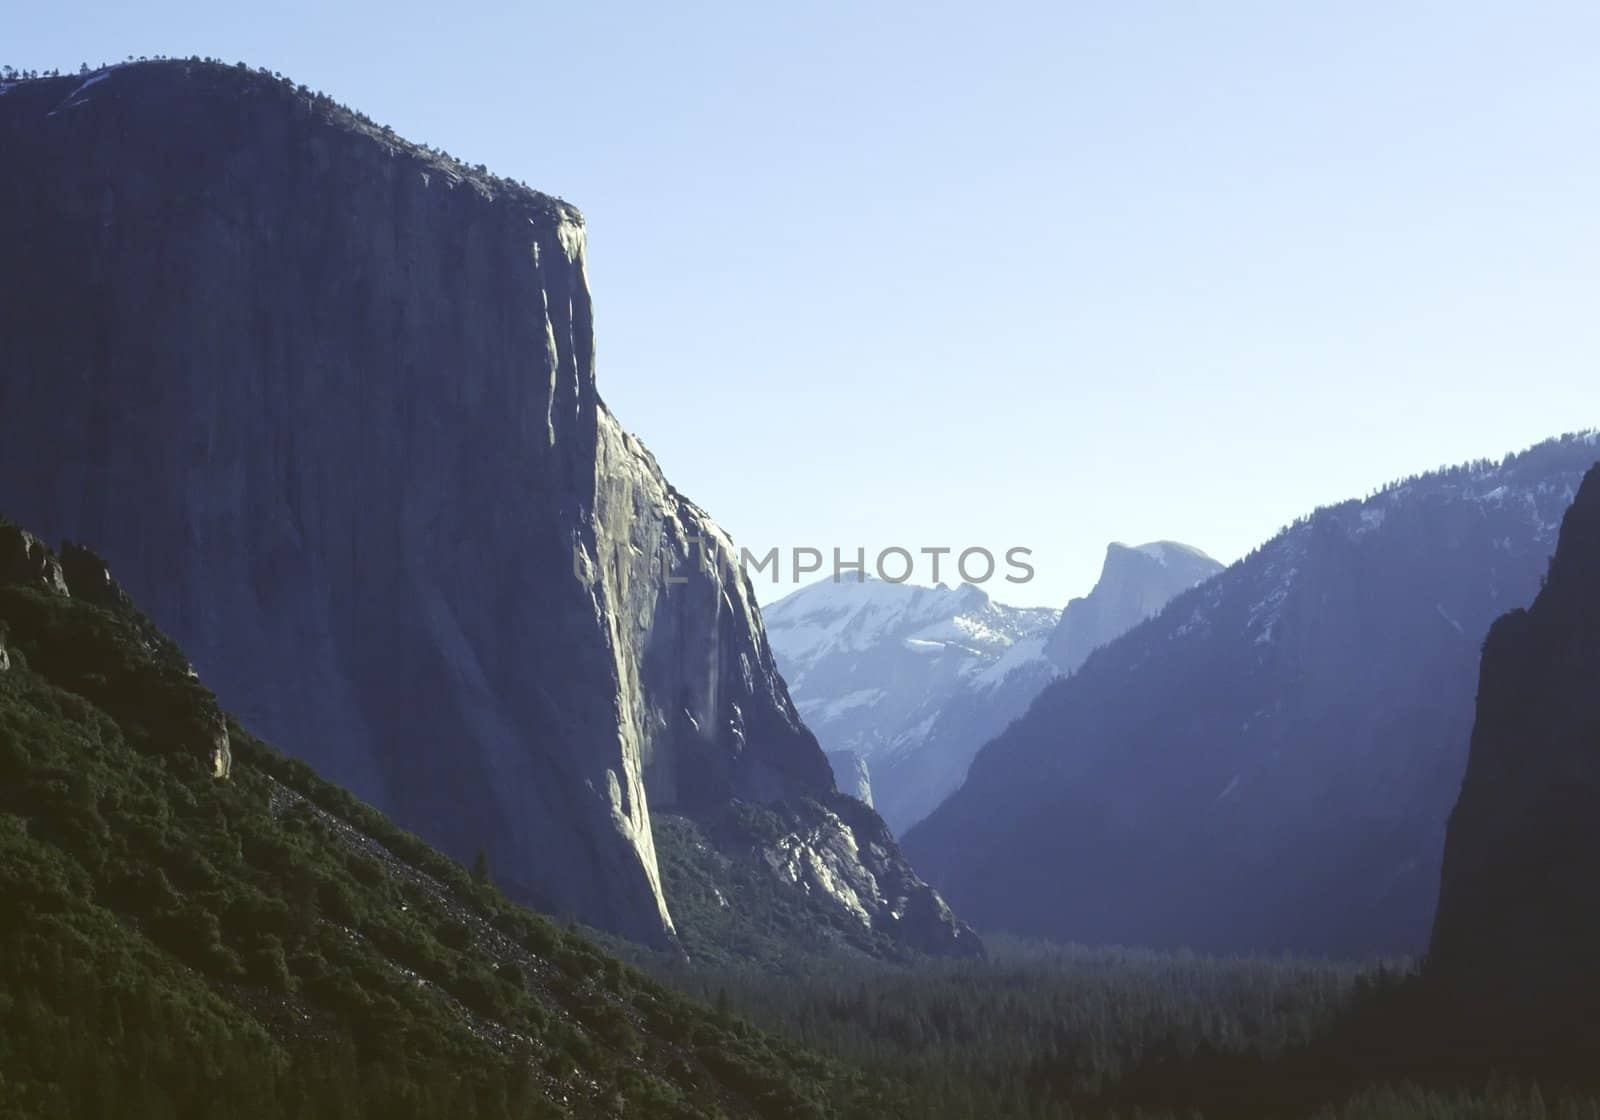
(177, 945)
(172, 944)
(1036, 1030)
(262, 80)
(1040, 1032)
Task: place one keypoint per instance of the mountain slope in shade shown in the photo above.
(1519, 902)
(1134, 583)
(873, 666)
(326, 401)
(1267, 764)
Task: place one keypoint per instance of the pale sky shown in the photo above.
(1013, 274)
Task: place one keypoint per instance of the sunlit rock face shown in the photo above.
(1135, 583)
(710, 715)
(326, 403)
(1519, 904)
(841, 853)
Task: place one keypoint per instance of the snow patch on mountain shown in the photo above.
(1168, 552)
(872, 665)
(1022, 653)
(948, 668)
(815, 711)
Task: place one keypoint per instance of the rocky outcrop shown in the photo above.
(847, 852)
(778, 886)
(147, 674)
(1135, 583)
(1268, 764)
(326, 401)
(1519, 903)
(90, 579)
(25, 559)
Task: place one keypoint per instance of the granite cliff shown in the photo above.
(325, 400)
(1135, 583)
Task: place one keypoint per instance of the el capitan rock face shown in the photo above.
(326, 403)
(1519, 901)
(1269, 763)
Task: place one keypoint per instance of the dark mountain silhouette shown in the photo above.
(1269, 763)
(1518, 925)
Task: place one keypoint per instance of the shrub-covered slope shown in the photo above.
(178, 943)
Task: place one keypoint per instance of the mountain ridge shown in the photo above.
(1279, 746)
(906, 683)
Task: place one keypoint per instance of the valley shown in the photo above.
(384, 734)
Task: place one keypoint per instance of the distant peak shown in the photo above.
(854, 588)
(1162, 552)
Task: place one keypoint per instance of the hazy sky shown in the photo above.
(1033, 274)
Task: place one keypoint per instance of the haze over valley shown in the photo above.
(392, 724)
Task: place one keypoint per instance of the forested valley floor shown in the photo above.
(1041, 1031)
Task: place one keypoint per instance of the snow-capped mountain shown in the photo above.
(872, 665)
(903, 684)
(1269, 763)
